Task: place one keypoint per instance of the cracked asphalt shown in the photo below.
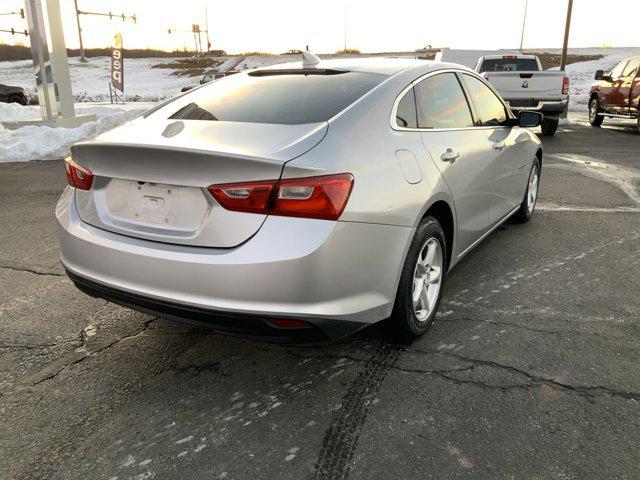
(531, 371)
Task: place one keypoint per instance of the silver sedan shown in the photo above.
(300, 201)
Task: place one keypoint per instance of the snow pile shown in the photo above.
(42, 143)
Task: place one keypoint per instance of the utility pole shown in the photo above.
(206, 21)
(345, 26)
(82, 57)
(524, 22)
(563, 61)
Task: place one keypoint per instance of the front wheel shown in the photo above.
(528, 205)
(595, 119)
(549, 126)
(420, 288)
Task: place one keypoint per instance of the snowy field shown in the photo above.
(145, 85)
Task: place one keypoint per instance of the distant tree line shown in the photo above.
(20, 52)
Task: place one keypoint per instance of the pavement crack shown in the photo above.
(74, 357)
(585, 390)
(32, 270)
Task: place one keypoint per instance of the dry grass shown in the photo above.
(191, 67)
(348, 51)
(550, 60)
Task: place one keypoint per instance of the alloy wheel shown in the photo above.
(532, 191)
(427, 279)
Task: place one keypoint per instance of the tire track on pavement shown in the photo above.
(341, 438)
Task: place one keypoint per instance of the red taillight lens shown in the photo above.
(322, 197)
(77, 176)
(314, 197)
(565, 86)
(250, 197)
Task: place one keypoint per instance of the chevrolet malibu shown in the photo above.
(301, 201)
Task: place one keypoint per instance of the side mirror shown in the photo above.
(600, 75)
(529, 119)
(206, 79)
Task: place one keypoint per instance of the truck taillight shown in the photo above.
(565, 86)
(77, 176)
(322, 197)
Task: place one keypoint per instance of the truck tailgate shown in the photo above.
(527, 85)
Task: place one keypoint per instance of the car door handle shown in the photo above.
(450, 156)
(498, 146)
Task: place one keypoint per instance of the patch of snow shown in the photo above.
(44, 143)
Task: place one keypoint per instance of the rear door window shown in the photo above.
(441, 103)
(489, 109)
(285, 97)
(406, 114)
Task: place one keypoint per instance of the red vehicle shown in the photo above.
(616, 94)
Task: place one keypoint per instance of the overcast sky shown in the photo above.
(280, 25)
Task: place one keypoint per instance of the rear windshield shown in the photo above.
(509, 65)
(273, 98)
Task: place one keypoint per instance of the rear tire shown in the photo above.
(594, 110)
(549, 126)
(17, 99)
(528, 205)
(422, 277)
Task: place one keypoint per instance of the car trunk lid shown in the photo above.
(151, 176)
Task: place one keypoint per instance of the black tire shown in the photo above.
(595, 120)
(549, 126)
(525, 213)
(403, 319)
(17, 99)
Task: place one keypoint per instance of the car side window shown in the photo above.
(631, 67)
(617, 71)
(441, 103)
(490, 111)
(406, 114)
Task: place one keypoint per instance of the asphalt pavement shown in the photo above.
(532, 370)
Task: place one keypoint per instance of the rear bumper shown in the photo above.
(557, 108)
(338, 276)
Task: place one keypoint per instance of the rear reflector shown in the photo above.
(565, 86)
(77, 176)
(286, 323)
(322, 197)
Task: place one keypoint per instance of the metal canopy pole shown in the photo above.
(563, 61)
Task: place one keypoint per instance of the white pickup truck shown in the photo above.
(524, 85)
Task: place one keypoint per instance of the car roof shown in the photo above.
(380, 65)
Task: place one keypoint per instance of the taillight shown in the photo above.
(565, 86)
(322, 197)
(77, 176)
(250, 197)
